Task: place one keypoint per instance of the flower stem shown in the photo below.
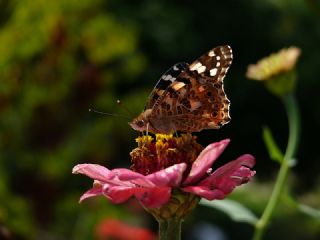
(170, 229)
(294, 128)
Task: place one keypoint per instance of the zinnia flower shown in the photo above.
(169, 168)
(276, 63)
(277, 71)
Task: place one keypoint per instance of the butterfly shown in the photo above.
(189, 98)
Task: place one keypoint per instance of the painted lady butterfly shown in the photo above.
(189, 98)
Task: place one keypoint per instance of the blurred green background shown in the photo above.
(60, 58)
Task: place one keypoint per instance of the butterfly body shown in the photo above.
(189, 98)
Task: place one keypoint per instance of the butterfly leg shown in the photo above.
(147, 129)
(141, 134)
(145, 136)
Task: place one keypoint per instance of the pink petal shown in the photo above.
(143, 182)
(93, 192)
(118, 194)
(170, 176)
(229, 168)
(93, 171)
(205, 192)
(205, 160)
(153, 197)
(227, 177)
(126, 174)
(149, 197)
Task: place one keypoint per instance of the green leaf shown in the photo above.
(312, 212)
(235, 210)
(273, 150)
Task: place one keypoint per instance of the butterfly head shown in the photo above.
(138, 124)
(141, 122)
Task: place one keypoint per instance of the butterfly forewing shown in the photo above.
(164, 82)
(191, 98)
(214, 64)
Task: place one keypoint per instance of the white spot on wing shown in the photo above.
(195, 66)
(201, 69)
(211, 54)
(218, 58)
(213, 71)
(168, 78)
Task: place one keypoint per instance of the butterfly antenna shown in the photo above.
(125, 108)
(108, 114)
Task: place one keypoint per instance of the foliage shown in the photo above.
(58, 58)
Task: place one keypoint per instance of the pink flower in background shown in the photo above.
(154, 190)
(115, 229)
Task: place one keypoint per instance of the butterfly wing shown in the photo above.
(164, 82)
(196, 100)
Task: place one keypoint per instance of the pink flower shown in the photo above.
(115, 229)
(154, 190)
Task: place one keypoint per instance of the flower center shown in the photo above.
(154, 154)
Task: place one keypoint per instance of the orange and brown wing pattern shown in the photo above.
(196, 99)
(189, 98)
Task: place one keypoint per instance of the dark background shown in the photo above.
(60, 58)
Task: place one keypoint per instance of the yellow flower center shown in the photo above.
(154, 154)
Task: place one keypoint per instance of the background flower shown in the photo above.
(117, 230)
(277, 63)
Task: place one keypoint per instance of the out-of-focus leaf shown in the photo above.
(305, 209)
(233, 209)
(312, 212)
(58, 59)
(273, 150)
(104, 39)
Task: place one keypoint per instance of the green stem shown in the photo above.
(170, 229)
(294, 125)
(294, 129)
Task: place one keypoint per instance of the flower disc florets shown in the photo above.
(154, 154)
